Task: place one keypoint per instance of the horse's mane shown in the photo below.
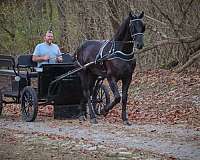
(123, 28)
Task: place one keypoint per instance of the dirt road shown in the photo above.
(155, 141)
(164, 108)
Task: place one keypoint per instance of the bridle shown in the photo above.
(135, 34)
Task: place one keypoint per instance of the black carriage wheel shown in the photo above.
(1, 102)
(101, 98)
(29, 104)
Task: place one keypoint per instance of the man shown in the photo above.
(47, 52)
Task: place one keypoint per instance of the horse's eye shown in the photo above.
(132, 27)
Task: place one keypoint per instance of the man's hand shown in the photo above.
(59, 59)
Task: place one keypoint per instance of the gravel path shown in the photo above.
(176, 141)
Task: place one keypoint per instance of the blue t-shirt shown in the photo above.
(51, 50)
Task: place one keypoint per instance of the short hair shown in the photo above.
(49, 31)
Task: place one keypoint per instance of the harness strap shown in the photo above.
(79, 63)
(100, 53)
(122, 56)
(112, 54)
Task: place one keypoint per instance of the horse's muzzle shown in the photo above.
(139, 45)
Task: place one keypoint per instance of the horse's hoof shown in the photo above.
(82, 118)
(104, 113)
(127, 123)
(94, 121)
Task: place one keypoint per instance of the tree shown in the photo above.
(172, 36)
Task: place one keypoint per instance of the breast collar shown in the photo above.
(113, 53)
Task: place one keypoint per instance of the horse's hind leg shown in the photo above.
(125, 86)
(117, 98)
(91, 110)
(83, 109)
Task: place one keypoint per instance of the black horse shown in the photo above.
(113, 59)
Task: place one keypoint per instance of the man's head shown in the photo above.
(48, 38)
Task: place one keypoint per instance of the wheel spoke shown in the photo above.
(102, 93)
(29, 104)
(99, 109)
(101, 99)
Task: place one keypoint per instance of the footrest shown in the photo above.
(10, 94)
(66, 111)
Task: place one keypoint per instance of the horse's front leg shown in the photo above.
(117, 98)
(125, 87)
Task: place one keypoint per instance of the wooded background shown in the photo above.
(172, 36)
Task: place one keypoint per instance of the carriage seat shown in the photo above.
(7, 65)
(67, 58)
(26, 67)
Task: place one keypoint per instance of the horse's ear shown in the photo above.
(130, 14)
(141, 15)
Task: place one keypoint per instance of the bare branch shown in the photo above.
(185, 12)
(189, 62)
(12, 35)
(157, 44)
(167, 17)
(169, 41)
(113, 14)
(163, 23)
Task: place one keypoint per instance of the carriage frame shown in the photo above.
(55, 84)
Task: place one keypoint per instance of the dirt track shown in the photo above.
(162, 140)
(164, 108)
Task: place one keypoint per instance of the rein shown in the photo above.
(126, 42)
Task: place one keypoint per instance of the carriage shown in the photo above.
(21, 82)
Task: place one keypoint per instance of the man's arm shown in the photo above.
(59, 56)
(36, 58)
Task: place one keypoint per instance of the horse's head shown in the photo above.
(137, 29)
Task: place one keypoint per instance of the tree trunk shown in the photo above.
(64, 41)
